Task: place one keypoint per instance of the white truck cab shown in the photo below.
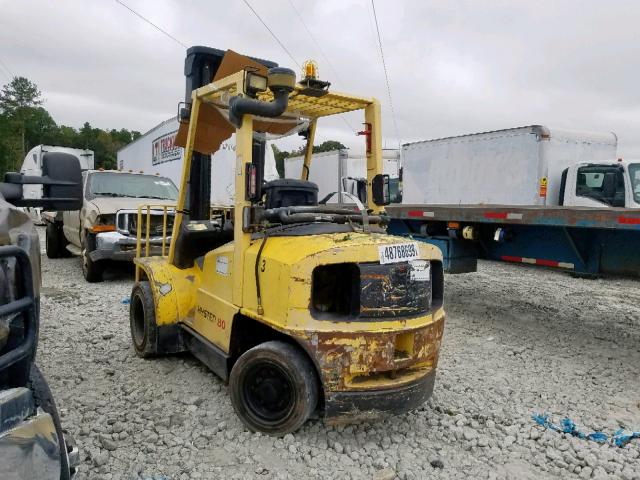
(601, 184)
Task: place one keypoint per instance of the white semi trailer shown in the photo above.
(155, 152)
(530, 195)
(340, 171)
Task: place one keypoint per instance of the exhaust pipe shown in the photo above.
(281, 82)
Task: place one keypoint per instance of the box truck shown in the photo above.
(156, 152)
(531, 195)
(520, 166)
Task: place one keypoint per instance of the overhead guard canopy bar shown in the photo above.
(333, 103)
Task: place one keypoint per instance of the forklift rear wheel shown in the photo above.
(142, 316)
(274, 388)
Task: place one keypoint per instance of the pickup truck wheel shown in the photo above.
(91, 270)
(142, 317)
(44, 399)
(55, 241)
(274, 388)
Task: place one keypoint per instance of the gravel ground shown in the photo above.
(518, 341)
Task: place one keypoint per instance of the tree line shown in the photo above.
(25, 123)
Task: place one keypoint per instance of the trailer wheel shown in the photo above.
(44, 399)
(91, 270)
(55, 241)
(142, 317)
(274, 388)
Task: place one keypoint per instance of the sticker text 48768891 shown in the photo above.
(398, 252)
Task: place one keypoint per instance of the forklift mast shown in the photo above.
(200, 67)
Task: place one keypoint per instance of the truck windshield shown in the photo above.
(105, 184)
(634, 173)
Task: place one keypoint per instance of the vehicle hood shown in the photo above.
(110, 205)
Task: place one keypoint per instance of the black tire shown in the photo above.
(91, 270)
(44, 399)
(55, 241)
(142, 319)
(274, 388)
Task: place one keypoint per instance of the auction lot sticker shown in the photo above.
(398, 252)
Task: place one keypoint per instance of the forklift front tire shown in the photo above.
(142, 317)
(274, 388)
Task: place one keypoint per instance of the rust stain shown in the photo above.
(343, 356)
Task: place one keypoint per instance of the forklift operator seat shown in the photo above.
(287, 192)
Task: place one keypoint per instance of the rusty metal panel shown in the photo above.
(391, 291)
(365, 360)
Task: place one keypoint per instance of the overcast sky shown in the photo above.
(455, 66)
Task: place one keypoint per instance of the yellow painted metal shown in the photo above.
(138, 242)
(332, 103)
(149, 208)
(372, 118)
(244, 150)
(299, 105)
(186, 168)
(215, 309)
(174, 290)
(306, 166)
(286, 265)
(164, 228)
(147, 232)
(350, 354)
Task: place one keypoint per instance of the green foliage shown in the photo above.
(19, 94)
(24, 123)
(280, 155)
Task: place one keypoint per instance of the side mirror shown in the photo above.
(380, 189)
(61, 180)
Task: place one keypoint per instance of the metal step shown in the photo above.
(74, 250)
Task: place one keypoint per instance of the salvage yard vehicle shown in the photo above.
(299, 306)
(32, 442)
(533, 195)
(106, 227)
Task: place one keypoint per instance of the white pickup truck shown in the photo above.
(106, 227)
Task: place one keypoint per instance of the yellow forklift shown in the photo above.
(299, 306)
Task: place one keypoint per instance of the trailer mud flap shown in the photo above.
(458, 256)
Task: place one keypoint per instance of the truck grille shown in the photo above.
(127, 223)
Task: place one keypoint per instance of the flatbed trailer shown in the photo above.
(582, 240)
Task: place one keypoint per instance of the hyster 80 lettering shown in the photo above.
(300, 306)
